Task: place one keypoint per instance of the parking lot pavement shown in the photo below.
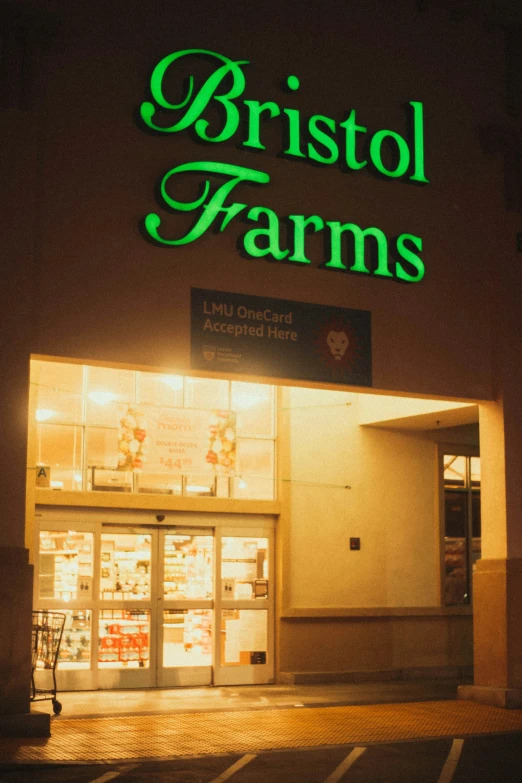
(484, 759)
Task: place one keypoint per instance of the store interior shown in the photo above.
(400, 477)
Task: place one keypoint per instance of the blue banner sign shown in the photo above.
(277, 338)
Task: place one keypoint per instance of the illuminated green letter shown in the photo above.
(411, 257)
(271, 232)
(255, 110)
(418, 135)
(323, 138)
(404, 153)
(294, 133)
(359, 236)
(212, 208)
(300, 224)
(207, 92)
(352, 129)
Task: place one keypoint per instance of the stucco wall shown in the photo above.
(347, 481)
(391, 647)
(105, 293)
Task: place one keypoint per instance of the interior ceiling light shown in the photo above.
(174, 381)
(42, 414)
(102, 398)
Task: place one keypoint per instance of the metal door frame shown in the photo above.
(97, 521)
(245, 674)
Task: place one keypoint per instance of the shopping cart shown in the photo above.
(47, 633)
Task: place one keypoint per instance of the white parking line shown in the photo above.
(451, 762)
(115, 774)
(234, 768)
(344, 765)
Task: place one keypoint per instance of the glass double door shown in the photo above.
(158, 606)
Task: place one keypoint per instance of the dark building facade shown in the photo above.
(261, 343)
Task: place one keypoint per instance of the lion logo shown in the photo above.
(337, 345)
(337, 342)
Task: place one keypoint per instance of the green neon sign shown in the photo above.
(320, 139)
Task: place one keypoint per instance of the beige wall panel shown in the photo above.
(375, 644)
(323, 646)
(489, 590)
(349, 481)
(434, 641)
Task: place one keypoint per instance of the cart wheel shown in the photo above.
(57, 707)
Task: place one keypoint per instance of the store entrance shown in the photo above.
(157, 606)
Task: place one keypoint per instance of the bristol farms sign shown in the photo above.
(319, 139)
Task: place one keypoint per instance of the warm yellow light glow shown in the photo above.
(102, 398)
(42, 414)
(174, 381)
(247, 395)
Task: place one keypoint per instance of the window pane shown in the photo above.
(223, 486)
(59, 446)
(102, 447)
(475, 471)
(164, 390)
(255, 457)
(454, 470)
(475, 501)
(65, 565)
(109, 391)
(159, 483)
(244, 568)
(476, 541)
(75, 647)
(58, 391)
(252, 488)
(456, 587)
(122, 436)
(102, 461)
(254, 405)
(125, 566)
(124, 639)
(244, 637)
(102, 480)
(187, 637)
(200, 485)
(456, 513)
(206, 393)
(188, 567)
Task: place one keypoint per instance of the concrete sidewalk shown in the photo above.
(209, 699)
(112, 726)
(164, 736)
